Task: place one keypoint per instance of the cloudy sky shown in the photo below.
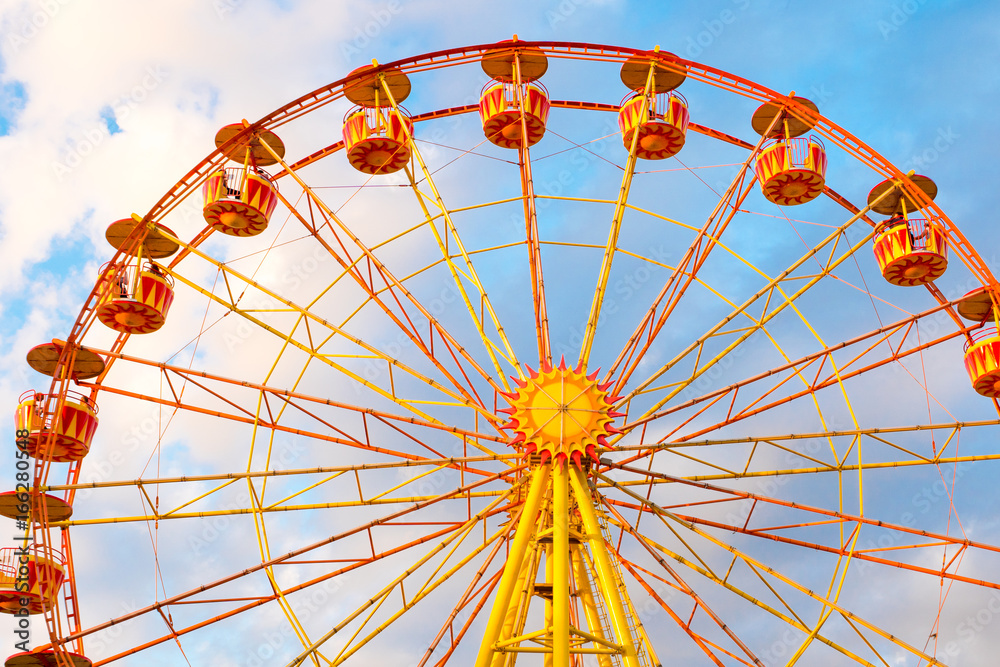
(105, 105)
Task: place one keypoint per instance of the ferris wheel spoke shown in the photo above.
(792, 619)
(251, 602)
(314, 344)
(364, 499)
(190, 597)
(705, 643)
(680, 586)
(823, 468)
(828, 606)
(459, 277)
(457, 535)
(452, 230)
(872, 350)
(771, 533)
(302, 403)
(827, 517)
(772, 291)
(774, 288)
(685, 273)
(702, 642)
(403, 321)
(539, 303)
(621, 204)
(270, 508)
(471, 591)
(428, 588)
(373, 500)
(892, 454)
(698, 601)
(486, 590)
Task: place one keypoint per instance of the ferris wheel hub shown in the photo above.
(562, 414)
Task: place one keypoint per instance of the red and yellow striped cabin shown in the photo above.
(239, 201)
(663, 129)
(377, 139)
(30, 578)
(72, 430)
(792, 171)
(500, 111)
(134, 304)
(911, 252)
(982, 360)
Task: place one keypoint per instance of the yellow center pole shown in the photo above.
(606, 579)
(547, 617)
(515, 561)
(514, 623)
(560, 565)
(586, 595)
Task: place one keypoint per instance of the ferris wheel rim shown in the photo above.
(264, 122)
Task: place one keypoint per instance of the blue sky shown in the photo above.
(103, 108)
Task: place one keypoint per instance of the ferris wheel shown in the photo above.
(646, 364)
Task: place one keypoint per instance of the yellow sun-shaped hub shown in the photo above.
(561, 414)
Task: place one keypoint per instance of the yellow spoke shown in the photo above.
(616, 223)
(313, 350)
(173, 514)
(384, 273)
(453, 230)
(388, 588)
